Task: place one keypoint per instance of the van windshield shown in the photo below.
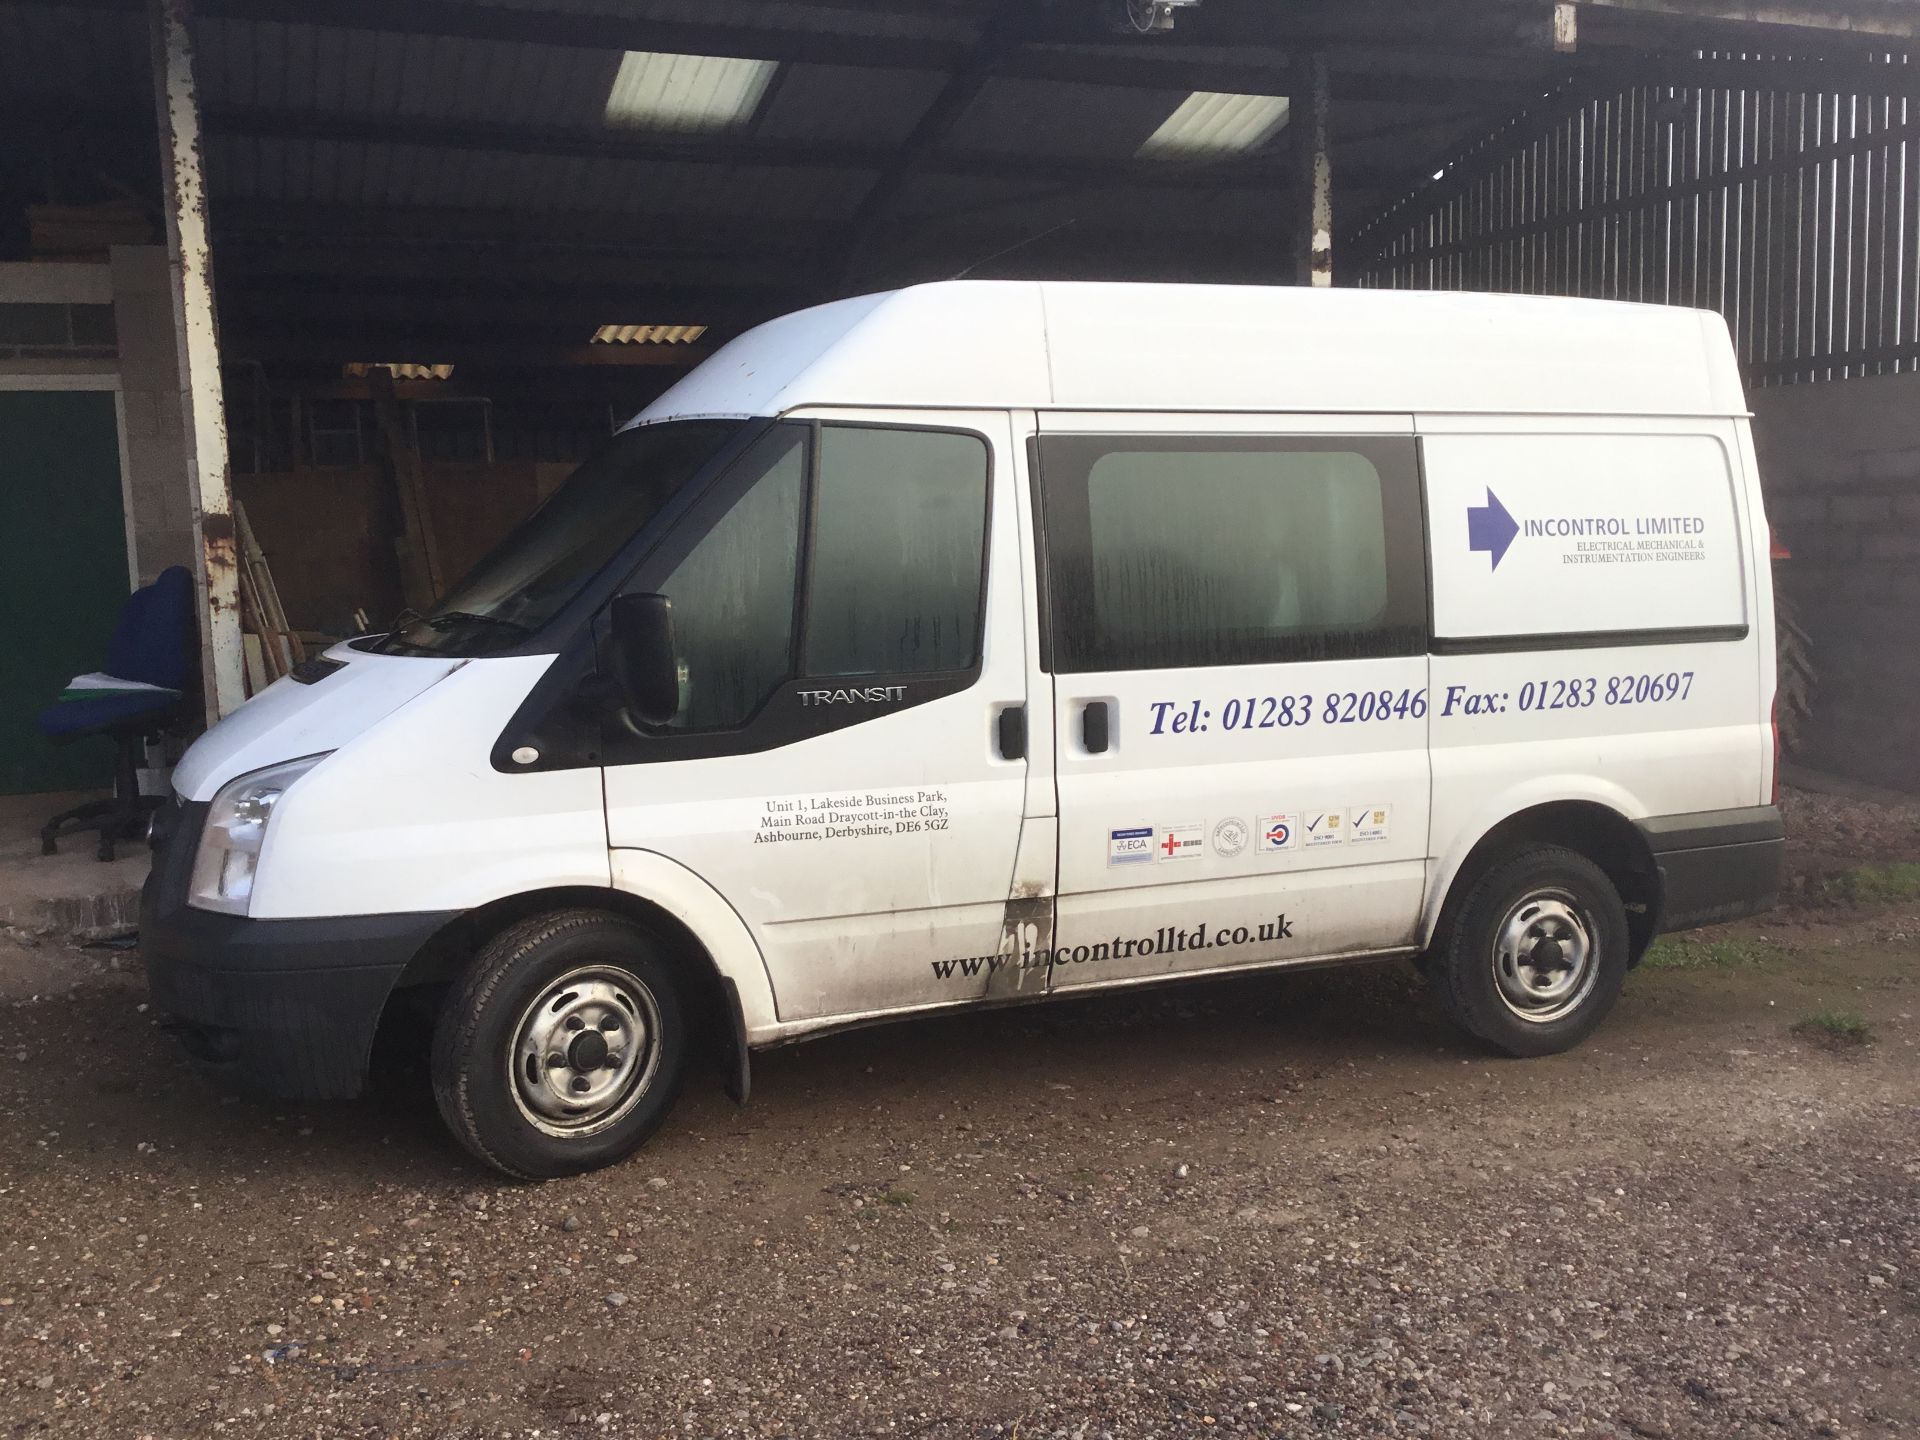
(545, 559)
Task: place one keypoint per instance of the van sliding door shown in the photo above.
(1237, 618)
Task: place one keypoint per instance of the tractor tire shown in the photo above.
(1795, 675)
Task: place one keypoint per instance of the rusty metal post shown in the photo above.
(197, 355)
(1313, 150)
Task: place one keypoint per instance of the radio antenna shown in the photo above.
(1017, 245)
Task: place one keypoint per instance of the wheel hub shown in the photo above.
(1544, 960)
(588, 1051)
(585, 1050)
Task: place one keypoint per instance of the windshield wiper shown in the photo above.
(448, 619)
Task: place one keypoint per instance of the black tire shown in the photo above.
(1483, 975)
(505, 1105)
(1795, 676)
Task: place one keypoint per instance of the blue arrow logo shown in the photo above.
(1491, 528)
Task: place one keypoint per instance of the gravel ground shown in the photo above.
(1292, 1205)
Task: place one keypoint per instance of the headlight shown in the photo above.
(236, 828)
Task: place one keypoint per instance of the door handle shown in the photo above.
(1094, 731)
(1012, 732)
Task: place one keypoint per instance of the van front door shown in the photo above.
(848, 620)
(1237, 631)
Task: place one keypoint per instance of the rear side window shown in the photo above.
(1174, 551)
(1540, 540)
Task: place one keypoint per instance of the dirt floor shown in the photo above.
(1296, 1206)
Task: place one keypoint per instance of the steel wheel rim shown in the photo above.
(1544, 958)
(584, 1051)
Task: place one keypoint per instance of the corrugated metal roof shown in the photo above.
(1018, 207)
(726, 223)
(847, 103)
(441, 77)
(948, 19)
(1060, 119)
(78, 55)
(309, 68)
(351, 173)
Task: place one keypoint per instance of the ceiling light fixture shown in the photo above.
(1212, 122)
(648, 334)
(687, 93)
(398, 369)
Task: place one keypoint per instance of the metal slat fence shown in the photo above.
(1794, 210)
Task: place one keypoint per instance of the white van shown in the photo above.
(987, 642)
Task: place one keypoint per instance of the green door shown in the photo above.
(63, 575)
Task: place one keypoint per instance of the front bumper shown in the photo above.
(1716, 865)
(286, 1008)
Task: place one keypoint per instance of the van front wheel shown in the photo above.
(1537, 953)
(561, 1049)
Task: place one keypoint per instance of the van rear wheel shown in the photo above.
(562, 1047)
(1537, 954)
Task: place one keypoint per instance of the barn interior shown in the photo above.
(371, 276)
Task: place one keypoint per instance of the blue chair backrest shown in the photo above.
(156, 639)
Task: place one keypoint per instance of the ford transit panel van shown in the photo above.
(981, 643)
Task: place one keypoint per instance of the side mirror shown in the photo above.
(643, 658)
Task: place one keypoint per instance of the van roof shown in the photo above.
(1072, 345)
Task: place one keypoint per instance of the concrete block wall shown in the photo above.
(159, 491)
(1840, 463)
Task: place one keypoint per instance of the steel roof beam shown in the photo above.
(1773, 21)
(1425, 49)
(261, 122)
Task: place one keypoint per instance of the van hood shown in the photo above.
(290, 719)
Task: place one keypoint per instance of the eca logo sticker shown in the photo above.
(1132, 846)
(1279, 832)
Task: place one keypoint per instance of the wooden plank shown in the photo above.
(414, 547)
(272, 613)
(1819, 366)
(1536, 209)
(1781, 223)
(1713, 208)
(1624, 112)
(1635, 222)
(1746, 209)
(1759, 251)
(253, 627)
(255, 662)
(1651, 266)
(1910, 252)
(1860, 236)
(1686, 136)
(1886, 240)
(1807, 209)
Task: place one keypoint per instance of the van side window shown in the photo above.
(895, 561)
(733, 599)
(1178, 551)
